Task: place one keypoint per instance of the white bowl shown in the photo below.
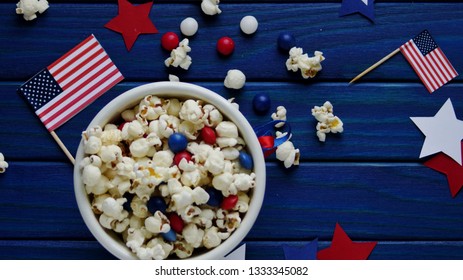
(129, 99)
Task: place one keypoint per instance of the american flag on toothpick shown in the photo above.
(68, 85)
(428, 61)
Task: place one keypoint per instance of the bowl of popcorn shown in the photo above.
(169, 170)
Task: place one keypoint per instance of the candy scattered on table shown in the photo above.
(169, 41)
(3, 164)
(261, 103)
(309, 66)
(279, 115)
(210, 7)
(225, 46)
(235, 79)
(189, 26)
(327, 121)
(249, 24)
(286, 41)
(177, 142)
(30, 8)
(179, 56)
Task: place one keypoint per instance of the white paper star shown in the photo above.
(443, 132)
(238, 254)
(365, 2)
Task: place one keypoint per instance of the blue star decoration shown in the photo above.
(363, 7)
(306, 252)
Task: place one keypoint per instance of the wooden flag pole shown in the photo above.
(65, 150)
(375, 65)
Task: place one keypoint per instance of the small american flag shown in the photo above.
(68, 85)
(428, 61)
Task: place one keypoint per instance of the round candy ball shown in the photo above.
(177, 142)
(215, 197)
(208, 135)
(189, 26)
(249, 24)
(286, 41)
(182, 155)
(156, 203)
(261, 103)
(169, 236)
(176, 223)
(229, 202)
(246, 160)
(225, 46)
(169, 41)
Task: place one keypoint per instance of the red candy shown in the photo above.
(229, 202)
(121, 126)
(208, 135)
(169, 41)
(176, 223)
(225, 45)
(182, 155)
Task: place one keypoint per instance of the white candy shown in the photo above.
(179, 56)
(235, 79)
(189, 26)
(279, 115)
(210, 7)
(309, 66)
(3, 164)
(249, 24)
(29, 8)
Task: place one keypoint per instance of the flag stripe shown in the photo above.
(418, 58)
(71, 54)
(438, 62)
(407, 51)
(446, 63)
(69, 92)
(115, 78)
(68, 96)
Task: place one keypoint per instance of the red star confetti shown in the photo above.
(132, 21)
(454, 171)
(343, 248)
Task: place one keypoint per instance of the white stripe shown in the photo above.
(69, 113)
(81, 70)
(448, 66)
(408, 54)
(424, 75)
(73, 86)
(435, 55)
(429, 69)
(436, 66)
(72, 55)
(78, 94)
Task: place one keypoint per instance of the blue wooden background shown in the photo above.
(369, 179)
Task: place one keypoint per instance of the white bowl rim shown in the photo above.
(186, 90)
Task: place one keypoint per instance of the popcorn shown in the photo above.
(129, 163)
(3, 164)
(179, 56)
(279, 115)
(210, 7)
(288, 154)
(29, 8)
(235, 79)
(327, 121)
(309, 66)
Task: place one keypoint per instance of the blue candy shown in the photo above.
(215, 197)
(170, 236)
(156, 203)
(177, 142)
(126, 205)
(246, 160)
(286, 41)
(261, 103)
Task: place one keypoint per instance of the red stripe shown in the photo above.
(80, 65)
(453, 72)
(405, 50)
(74, 91)
(71, 51)
(442, 68)
(72, 113)
(67, 65)
(430, 78)
(435, 70)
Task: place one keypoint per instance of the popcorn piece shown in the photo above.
(212, 117)
(204, 219)
(280, 115)
(227, 129)
(243, 181)
(179, 56)
(211, 238)
(114, 216)
(193, 235)
(160, 249)
(210, 7)
(183, 249)
(215, 162)
(288, 154)
(139, 207)
(191, 111)
(135, 239)
(29, 8)
(228, 221)
(158, 223)
(110, 135)
(224, 183)
(234, 104)
(235, 79)
(163, 158)
(3, 164)
(173, 78)
(327, 121)
(309, 66)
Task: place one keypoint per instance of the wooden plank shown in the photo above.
(375, 115)
(372, 201)
(350, 44)
(255, 250)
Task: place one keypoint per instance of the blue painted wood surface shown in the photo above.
(369, 179)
